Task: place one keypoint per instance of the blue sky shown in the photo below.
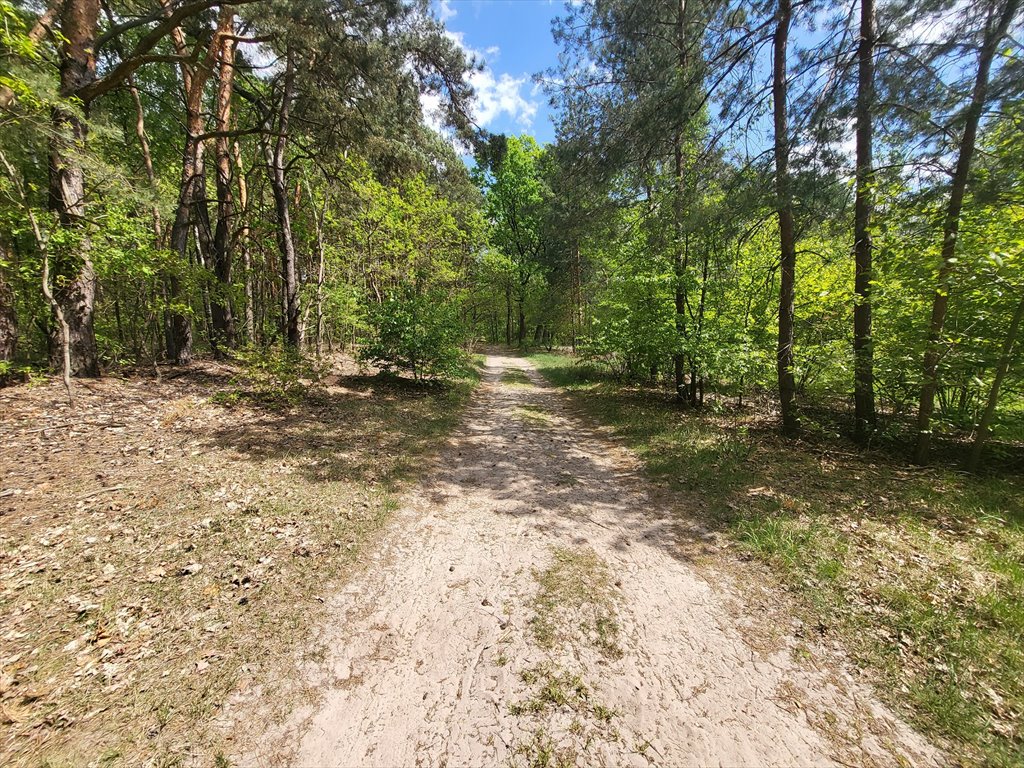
(513, 38)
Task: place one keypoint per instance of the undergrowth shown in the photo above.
(918, 572)
(186, 550)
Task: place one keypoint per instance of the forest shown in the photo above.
(766, 232)
(818, 202)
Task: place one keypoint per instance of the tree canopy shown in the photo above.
(814, 201)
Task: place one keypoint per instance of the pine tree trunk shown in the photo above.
(179, 347)
(1005, 358)
(222, 316)
(784, 207)
(994, 33)
(193, 78)
(243, 202)
(8, 317)
(863, 356)
(180, 332)
(279, 186)
(74, 275)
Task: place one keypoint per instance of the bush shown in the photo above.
(416, 334)
(273, 376)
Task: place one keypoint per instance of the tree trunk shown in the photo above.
(222, 317)
(8, 317)
(243, 202)
(784, 208)
(180, 347)
(522, 321)
(1005, 358)
(147, 156)
(508, 315)
(74, 275)
(863, 355)
(279, 186)
(994, 34)
(193, 80)
(321, 268)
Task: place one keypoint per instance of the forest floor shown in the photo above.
(377, 573)
(916, 573)
(539, 602)
(159, 551)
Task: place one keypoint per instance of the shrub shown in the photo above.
(273, 376)
(416, 334)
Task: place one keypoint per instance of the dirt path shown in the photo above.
(531, 609)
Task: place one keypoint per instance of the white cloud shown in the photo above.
(430, 103)
(500, 95)
(459, 38)
(445, 10)
(497, 94)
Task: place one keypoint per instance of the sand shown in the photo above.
(433, 658)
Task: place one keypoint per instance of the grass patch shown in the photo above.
(532, 414)
(554, 688)
(542, 752)
(560, 697)
(920, 573)
(183, 549)
(575, 603)
(516, 377)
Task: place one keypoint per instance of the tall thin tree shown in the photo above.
(784, 210)
(863, 355)
(997, 24)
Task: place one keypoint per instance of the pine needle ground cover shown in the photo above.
(917, 573)
(160, 550)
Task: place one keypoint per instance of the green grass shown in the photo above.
(516, 377)
(555, 691)
(542, 752)
(532, 414)
(554, 688)
(575, 603)
(919, 573)
(574, 610)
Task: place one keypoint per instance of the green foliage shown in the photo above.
(517, 199)
(415, 334)
(277, 377)
(919, 573)
(21, 57)
(11, 373)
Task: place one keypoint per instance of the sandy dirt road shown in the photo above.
(531, 606)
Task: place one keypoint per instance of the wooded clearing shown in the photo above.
(344, 423)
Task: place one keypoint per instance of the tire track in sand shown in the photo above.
(432, 659)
